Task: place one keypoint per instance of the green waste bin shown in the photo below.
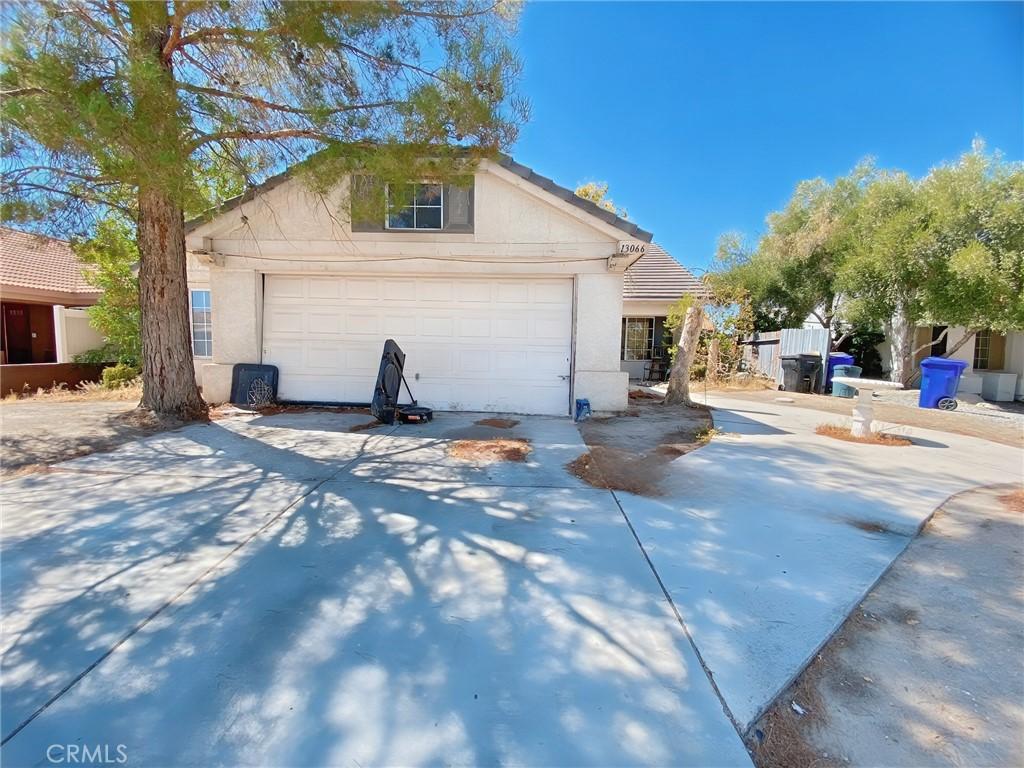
(842, 390)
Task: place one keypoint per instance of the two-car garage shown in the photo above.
(475, 344)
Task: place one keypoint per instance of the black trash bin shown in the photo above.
(801, 373)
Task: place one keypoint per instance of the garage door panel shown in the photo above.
(513, 327)
(362, 289)
(475, 344)
(401, 290)
(434, 326)
(435, 291)
(363, 323)
(324, 289)
(472, 292)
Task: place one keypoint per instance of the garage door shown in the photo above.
(471, 344)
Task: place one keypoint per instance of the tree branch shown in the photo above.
(14, 93)
(264, 104)
(283, 133)
(81, 196)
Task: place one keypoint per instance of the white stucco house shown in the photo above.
(506, 296)
(995, 361)
(650, 287)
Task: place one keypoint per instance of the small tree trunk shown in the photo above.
(679, 376)
(714, 355)
(168, 374)
(901, 339)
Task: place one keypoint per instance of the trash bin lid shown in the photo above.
(944, 362)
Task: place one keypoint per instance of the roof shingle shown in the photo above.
(41, 263)
(656, 275)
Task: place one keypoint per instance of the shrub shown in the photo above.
(120, 375)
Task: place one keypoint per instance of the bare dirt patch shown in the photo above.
(908, 679)
(870, 526)
(779, 738)
(784, 735)
(631, 452)
(640, 394)
(39, 432)
(497, 423)
(490, 451)
(1013, 501)
(840, 432)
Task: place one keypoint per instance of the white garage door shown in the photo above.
(471, 344)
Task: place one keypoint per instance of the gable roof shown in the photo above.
(42, 264)
(656, 275)
(506, 162)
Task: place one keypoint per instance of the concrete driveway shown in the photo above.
(284, 591)
(770, 535)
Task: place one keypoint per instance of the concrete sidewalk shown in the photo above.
(771, 534)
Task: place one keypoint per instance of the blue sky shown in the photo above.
(702, 117)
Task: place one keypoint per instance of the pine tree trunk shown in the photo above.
(679, 376)
(168, 374)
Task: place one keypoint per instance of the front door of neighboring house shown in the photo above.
(17, 333)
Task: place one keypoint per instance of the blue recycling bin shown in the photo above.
(844, 390)
(940, 378)
(834, 359)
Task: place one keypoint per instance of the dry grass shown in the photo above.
(706, 435)
(740, 381)
(839, 432)
(87, 391)
(639, 394)
(780, 737)
(497, 423)
(490, 451)
(1013, 501)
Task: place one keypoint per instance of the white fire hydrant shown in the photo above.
(863, 408)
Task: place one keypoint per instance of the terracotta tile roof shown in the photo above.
(41, 263)
(656, 275)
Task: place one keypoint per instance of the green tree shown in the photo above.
(791, 274)
(947, 249)
(597, 193)
(126, 106)
(111, 256)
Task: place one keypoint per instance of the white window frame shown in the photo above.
(982, 350)
(191, 320)
(413, 228)
(649, 333)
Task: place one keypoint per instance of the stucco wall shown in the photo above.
(520, 230)
(74, 333)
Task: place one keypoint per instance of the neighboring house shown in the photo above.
(41, 292)
(650, 287)
(505, 296)
(995, 361)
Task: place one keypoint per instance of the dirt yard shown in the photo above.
(35, 433)
(924, 671)
(632, 452)
(998, 430)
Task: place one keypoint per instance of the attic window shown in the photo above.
(422, 207)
